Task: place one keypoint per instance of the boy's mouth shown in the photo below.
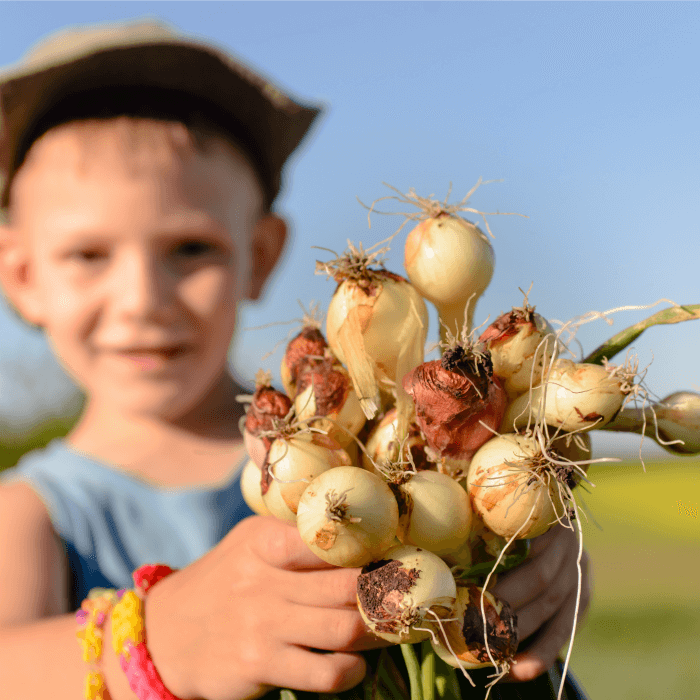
(153, 358)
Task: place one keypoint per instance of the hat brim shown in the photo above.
(273, 120)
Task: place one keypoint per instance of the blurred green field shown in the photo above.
(641, 639)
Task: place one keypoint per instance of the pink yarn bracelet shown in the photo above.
(129, 636)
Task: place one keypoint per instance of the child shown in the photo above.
(140, 172)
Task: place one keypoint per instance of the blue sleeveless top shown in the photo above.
(111, 522)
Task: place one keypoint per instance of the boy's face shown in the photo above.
(135, 262)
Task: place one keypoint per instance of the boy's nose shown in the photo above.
(144, 290)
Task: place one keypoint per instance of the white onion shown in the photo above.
(348, 516)
(450, 262)
(512, 489)
(461, 641)
(522, 344)
(250, 488)
(395, 595)
(434, 512)
(574, 396)
(293, 463)
(378, 330)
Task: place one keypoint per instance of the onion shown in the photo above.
(376, 325)
(459, 404)
(292, 463)
(572, 397)
(522, 344)
(434, 511)
(450, 262)
(324, 389)
(461, 641)
(677, 418)
(308, 343)
(250, 488)
(397, 594)
(348, 516)
(513, 488)
(267, 409)
(383, 445)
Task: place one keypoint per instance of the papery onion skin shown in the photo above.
(308, 343)
(451, 407)
(466, 634)
(405, 578)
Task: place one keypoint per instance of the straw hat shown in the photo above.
(132, 62)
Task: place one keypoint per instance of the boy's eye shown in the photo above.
(86, 255)
(191, 249)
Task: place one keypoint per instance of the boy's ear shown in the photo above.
(15, 276)
(269, 237)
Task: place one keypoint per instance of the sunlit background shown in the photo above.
(589, 114)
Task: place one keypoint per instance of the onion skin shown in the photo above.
(309, 343)
(466, 634)
(449, 409)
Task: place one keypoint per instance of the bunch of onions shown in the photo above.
(266, 410)
(401, 596)
(463, 642)
(572, 396)
(517, 490)
(459, 404)
(323, 388)
(293, 461)
(376, 325)
(348, 516)
(522, 345)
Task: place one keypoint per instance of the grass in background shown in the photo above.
(641, 639)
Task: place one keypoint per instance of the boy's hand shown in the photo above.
(245, 617)
(542, 591)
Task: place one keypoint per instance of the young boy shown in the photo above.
(140, 168)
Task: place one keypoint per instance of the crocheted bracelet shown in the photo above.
(128, 635)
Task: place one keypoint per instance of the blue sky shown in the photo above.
(588, 112)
